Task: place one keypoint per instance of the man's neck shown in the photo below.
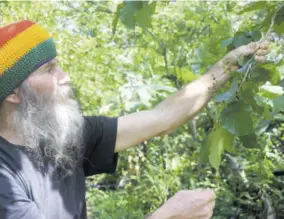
(11, 137)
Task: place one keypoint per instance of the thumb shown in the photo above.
(247, 50)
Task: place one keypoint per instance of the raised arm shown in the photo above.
(184, 104)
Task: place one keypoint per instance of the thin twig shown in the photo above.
(271, 24)
(245, 77)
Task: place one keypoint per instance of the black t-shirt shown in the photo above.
(26, 192)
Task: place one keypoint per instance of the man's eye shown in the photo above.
(50, 70)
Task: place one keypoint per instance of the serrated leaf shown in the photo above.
(249, 141)
(230, 94)
(219, 139)
(236, 118)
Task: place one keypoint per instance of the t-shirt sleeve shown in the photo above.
(14, 202)
(100, 138)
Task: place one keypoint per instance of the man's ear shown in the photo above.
(13, 97)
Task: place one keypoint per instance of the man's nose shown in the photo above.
(63, 78)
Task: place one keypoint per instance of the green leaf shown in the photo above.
(243, 60)
(143, 16)
(256, 35)
(185, 75)
(278, 104)
(219, 139)
(249, 141)
(271, 91)
(226, 42)
(236, 118)
(279, 29)
(204, 152)
(247, 94)
(152, 7)
(254, 6)
(280, 16)
(240, 39)
(128, 13)
(274, 74)
(259, 74)
(230, 94)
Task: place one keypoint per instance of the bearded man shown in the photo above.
(47, 147)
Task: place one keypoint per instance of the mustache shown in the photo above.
(65, 92)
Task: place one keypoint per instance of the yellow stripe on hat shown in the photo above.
(21, 44)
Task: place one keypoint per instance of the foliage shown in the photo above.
(128, 56)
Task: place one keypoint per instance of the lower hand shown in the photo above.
(187, 204)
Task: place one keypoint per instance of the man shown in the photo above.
(47, 147)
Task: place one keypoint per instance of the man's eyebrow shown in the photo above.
(50, 64)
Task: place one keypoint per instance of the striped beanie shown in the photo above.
(24, 47)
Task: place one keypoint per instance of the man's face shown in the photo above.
(49, 116)
(47, 79)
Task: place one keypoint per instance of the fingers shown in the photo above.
(261, 48)
(253, 46)
(262, 52)
(246, 50)
(259, 58)
(264, 45)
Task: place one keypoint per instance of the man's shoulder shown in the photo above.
(12, 156)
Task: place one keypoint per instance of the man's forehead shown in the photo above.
(52, 61)
(46, 66)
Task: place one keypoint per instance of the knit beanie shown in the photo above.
(24, 47)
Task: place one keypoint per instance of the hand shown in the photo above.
(258, 49)
(187, 204)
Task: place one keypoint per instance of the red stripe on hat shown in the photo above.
(10, 31)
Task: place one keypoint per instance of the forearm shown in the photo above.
(187, 102)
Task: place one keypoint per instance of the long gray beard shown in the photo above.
(51, 126)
